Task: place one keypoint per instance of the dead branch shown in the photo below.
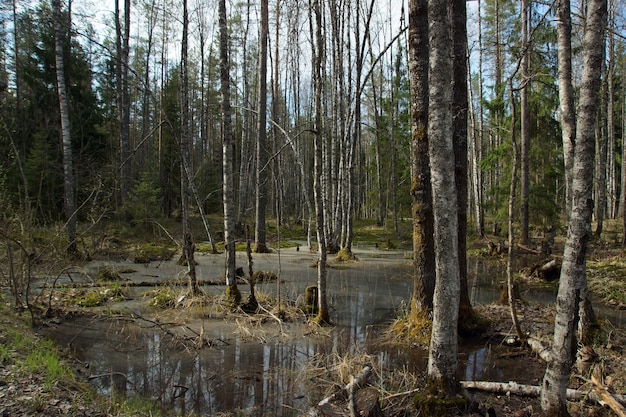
(607, 398)
(533, 390)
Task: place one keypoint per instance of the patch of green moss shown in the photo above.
(472, 324)
(163, 298)
(91, 299)
(431, 405)
(149, 252)
(232, 296)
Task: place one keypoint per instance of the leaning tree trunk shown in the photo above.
(228, 148)
(68, 175)
(525, 126)
(442, 358)
(423, 243)
(572, 284)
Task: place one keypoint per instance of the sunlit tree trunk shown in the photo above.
(572, 284)
(261, 151)
(228, 147)
(566, 94)
(66, 136)
(323, 316)
(601, 150)
(423, 243)
(442, 358)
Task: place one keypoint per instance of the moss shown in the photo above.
(162, 298)
(415, 328)
(149, 252)
(310, 300)
(106, 274)
(345, 255)
(472, 324)
(265, 276)
(233, 296)
(434, 405)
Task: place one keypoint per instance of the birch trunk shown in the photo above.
(442, 359)
(323, 316)
(572, 285)
(228, 149)
(66, 136)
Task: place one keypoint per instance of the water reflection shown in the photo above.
(261, 377)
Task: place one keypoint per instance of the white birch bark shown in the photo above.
(66, 136)
(442, 359)
(572, 284)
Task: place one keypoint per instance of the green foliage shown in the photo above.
(149, 252)
(163, 298)
(143, 200)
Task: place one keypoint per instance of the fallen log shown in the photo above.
(534, 391)
(540, 348)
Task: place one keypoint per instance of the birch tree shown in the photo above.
(66, 134)
(228, 149)
(572, 284)
(442, 358)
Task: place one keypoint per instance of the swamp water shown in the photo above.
(262, 371)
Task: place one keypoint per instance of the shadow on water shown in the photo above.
(263, 376)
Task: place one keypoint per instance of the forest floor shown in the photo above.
(38, 379)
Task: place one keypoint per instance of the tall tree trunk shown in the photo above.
(323, 315)
(442, 358)
(479, 140)
(228, 149)
(421, 194)
(123, 50)
(261, 150)
(459, 141)
(566, 94)
(525, 124)
(188, 247)
(601, 149)
(66, 136)
(572, 284)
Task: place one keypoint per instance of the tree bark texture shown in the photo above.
(66, 134)
(442, 359)
(261, 150)
(228, 149)
(421, 194)
(573, 272)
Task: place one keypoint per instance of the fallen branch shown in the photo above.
(533, 390)
(540, 348)
(342, 393)
(607, 398)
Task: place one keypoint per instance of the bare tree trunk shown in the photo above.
(572, 285)
(423, 243)
(123, 50)
(442, 358)
(228, 148)
(601, 150)
(566, 94)
(188, 247)
(261, 150)
(323, 316)
(525, 124)
(66, 136)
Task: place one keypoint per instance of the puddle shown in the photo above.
(262, 376)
